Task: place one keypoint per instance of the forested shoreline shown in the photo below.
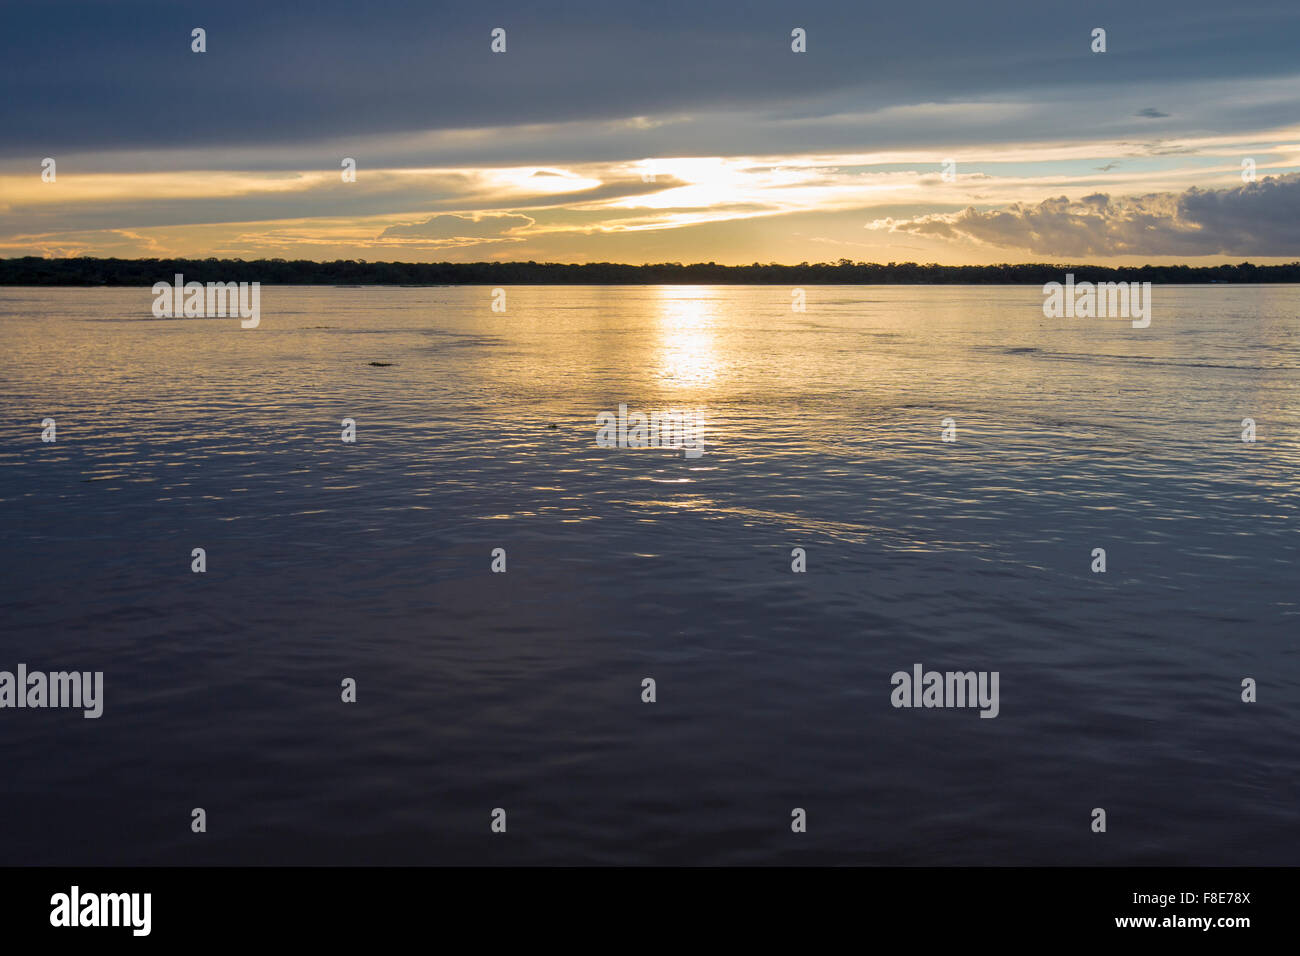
(35, 271)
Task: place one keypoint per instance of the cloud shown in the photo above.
(459, 228)
(1151, 113)
(409, 68)
(1257, 219)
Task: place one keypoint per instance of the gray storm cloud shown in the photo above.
(1257, 219)
(101, 77)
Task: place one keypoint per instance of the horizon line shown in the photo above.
(86, 271)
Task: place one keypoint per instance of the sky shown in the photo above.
(948, 131)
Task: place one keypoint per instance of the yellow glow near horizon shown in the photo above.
(535, 179)
(723, 208)
(71, 186)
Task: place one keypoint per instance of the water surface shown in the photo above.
(522, 690)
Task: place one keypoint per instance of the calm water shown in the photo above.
(522, 690)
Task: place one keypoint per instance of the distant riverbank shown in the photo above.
(33, 271)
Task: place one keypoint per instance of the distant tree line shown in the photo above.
(35, 271)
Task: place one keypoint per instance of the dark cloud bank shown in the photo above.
(1257, 219)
